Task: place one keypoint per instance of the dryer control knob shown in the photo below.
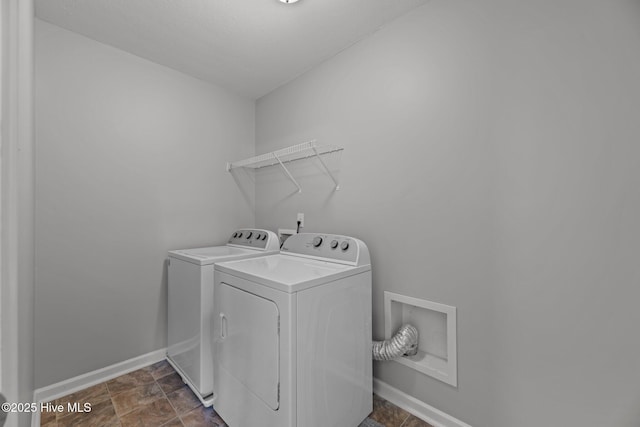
(264, 237)
(235, 234)
(239, 235)
(334, 244)
(258, 236)
(249, 235)
(317, 241)
(344, 246)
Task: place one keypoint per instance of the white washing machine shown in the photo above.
(292, 335)
(190, 304)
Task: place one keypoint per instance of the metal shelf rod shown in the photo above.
(315, 150)
(288, 173)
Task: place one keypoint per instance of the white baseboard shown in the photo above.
(63, 388)
(425, 412)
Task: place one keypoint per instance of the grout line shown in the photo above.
(405, 420)
(168, 400)
(167, 397)
(112, 403)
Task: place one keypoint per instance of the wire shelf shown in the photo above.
(289, 154)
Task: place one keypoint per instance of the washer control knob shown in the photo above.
(317, 241)
(344, 245)
(264, 237)
(258, 236)
(239, 234)
(334, 244)
(249, 235)
(235, 234)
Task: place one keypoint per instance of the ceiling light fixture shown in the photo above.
(288, 1)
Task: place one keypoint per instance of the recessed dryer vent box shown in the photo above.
(284, 234)
(436, 324)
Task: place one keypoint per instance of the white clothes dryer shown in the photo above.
(292, 335)
(190, 304)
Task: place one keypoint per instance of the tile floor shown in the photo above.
(155, 396)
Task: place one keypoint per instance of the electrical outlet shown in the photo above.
(301, 219)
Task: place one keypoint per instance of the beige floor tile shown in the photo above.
(414, 421)
(153, 414)
(173, 423)
(128, 381)
(47, 416)
(161, 369)
(94, 395)
(101, 415)
(387, 414)
(183, 399)
(170, 383)
(202, 417)
(128, 400)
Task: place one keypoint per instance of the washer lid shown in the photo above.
(210, 255)
(288, 273)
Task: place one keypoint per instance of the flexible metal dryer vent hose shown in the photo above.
(404, 342)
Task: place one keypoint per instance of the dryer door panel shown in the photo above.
(249, 341)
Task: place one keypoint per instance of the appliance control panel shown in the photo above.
(254, 238)
(332, 247)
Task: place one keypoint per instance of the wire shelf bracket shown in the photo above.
(290, 154)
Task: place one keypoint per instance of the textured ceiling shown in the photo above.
(249, 46)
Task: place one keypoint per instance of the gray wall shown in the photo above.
(130, 163)
(491, 163)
